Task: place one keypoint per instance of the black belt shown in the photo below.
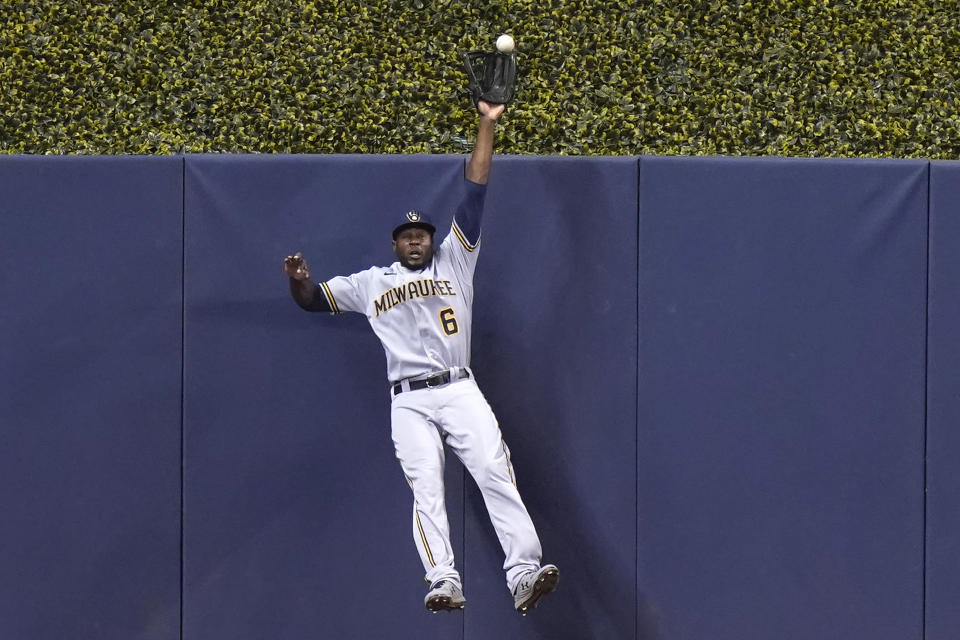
(436, 380)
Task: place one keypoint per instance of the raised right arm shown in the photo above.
(304, 291)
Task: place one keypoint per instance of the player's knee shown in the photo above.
(428, 494)
(491, 472)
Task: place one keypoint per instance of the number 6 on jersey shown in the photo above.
(449, 321)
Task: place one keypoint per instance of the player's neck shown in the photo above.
(414, 269)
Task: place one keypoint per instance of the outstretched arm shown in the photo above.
(478, 169)
(466, 219)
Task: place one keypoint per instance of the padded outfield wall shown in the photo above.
(728, 386)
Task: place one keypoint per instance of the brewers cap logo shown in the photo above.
(414, 219)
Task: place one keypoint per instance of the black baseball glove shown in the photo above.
(491, 76)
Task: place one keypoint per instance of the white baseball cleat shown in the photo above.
(444, 596)
(533, 586)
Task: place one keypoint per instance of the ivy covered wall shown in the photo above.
(733, 77)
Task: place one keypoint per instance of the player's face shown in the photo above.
(414, 247)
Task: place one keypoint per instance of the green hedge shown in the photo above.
(781, 77)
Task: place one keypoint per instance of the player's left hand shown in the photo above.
(490, 111)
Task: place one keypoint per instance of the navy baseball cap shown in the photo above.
(414, 219)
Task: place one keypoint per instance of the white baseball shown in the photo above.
(505, 44)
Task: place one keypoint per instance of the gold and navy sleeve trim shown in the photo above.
(329, 295)
(463, 238)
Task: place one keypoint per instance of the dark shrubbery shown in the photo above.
(778, 77)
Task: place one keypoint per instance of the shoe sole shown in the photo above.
(545, 585)
(443, 603)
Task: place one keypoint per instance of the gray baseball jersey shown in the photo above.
(422, 317)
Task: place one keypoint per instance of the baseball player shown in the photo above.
(421, 309)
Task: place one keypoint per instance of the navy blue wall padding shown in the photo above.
(555, 352)
(781, 398)
(90, 257)
(943, 406)
(726, 385)
(297, 517)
